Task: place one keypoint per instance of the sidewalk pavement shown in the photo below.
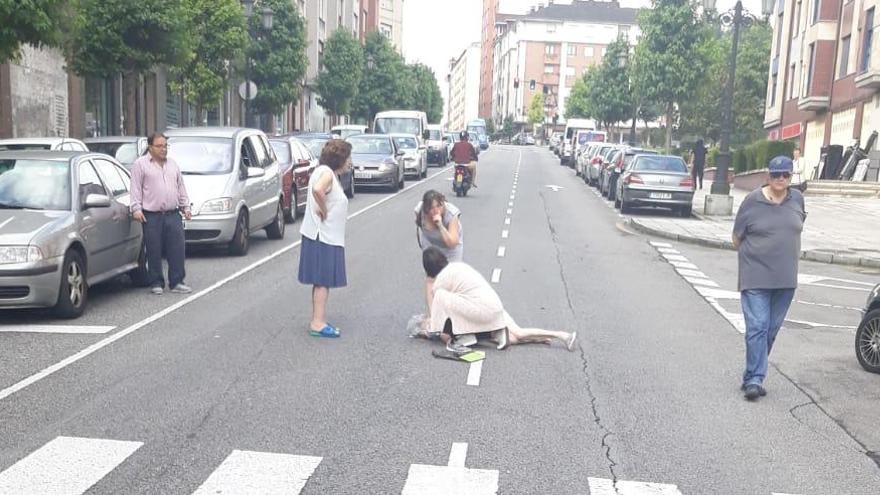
(843, 231)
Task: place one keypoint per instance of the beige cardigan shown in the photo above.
(462, 295)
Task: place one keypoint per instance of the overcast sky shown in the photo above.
(434, 32)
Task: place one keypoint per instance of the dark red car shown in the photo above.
(297, 163)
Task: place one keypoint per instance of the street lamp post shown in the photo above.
(622, 62)
(267, 20)
(735, 18)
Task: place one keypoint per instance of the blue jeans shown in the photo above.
(764, 311)
(164, 235)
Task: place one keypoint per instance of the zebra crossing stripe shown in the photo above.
(452, 479)
(65, 466)
(260, 472)
(601, 486)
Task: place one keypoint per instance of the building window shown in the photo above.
(624, 30)
(816, 5)
(867, 41)
(796, 20)
(549, 69)
(792, 82)
(773, 91)
(572, 50)
(550, 49)
(812, 62)
(779, 34)
(386, 30)
(588, 51)
(551, 28)
(844, 57)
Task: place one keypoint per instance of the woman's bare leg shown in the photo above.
(519, 335)
(319, 306)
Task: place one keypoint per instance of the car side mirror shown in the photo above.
(97, 201)
(399, 154)
(255, 172)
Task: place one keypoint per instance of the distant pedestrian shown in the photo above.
(798, 179)
(699, 163)
(438, 224)
(465, 304)
(767, 234)
(158, 199)
(322, 255)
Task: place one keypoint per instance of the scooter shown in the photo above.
(461, 180)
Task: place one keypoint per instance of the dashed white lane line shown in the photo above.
(260, 472)
(454, 478)
(684, 264)
(510, 211)
(507, 221)
(505, 234)
(674, 257)
(501, 251)
(458, 455)
(496, 275)
(814, 324)
(601, 486)
(474, 372)
(668, 250)
(691, 273)
(825, 305)
(510, 204)
(658, 244)
(74, 329)
(701, 281)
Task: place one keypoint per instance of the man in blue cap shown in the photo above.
(767, 235)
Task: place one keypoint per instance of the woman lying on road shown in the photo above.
(463, 303)
(438, 224)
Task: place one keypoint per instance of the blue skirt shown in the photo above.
(321, 264)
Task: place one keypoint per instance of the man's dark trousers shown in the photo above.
(163, 233)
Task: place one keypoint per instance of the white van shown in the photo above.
(404, 122)
(437, 149)
(344, 131)
(568, 139)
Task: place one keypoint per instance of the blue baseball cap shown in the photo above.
(781, 164)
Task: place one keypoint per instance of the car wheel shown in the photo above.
(686, 211)
(241, 238)
(140, 276)
(290, 211)
(868, 341)
(73, 291)
(624, 208)
(275, 230)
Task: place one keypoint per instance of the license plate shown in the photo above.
(362, 175)
(660, 195)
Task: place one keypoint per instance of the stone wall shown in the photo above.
(38, 90)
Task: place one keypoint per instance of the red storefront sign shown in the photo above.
(790, 131)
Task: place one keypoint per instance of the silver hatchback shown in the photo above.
(234, 183)
(656, 180)
(64, 226)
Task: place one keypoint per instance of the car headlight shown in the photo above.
(220, 205)
(384, 167)
(20, 254)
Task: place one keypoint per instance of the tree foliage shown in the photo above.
(383, 85)
(219, 35)
(341, 72)
(110, 37)
(424, 92)
(577, 106)
(278, 57)
(33, 22)
(668, 61)
(536, 109)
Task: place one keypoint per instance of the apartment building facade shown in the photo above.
(824, 75)
(554, 46)
(464, 87)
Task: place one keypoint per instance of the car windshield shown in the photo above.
(126, 153)
(24, 146)
(196, 155)
(282, 151)
(660, 164)
(34, 184)
(314, 144)
(371, 146)
(406, 143)
(397, 125)
(434, 135)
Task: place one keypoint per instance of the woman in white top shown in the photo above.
(322, 255)
(438, 224)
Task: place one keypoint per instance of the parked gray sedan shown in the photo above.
(64, 226)
(376, 160)
(656, 180)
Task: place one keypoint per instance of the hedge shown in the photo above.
(755, 156)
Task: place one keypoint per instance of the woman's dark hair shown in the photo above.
(434, 261)
(154, 136)
(335, 153)
(428, 199)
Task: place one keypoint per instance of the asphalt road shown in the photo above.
(213, 390)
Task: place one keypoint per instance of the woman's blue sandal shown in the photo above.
(329, 331)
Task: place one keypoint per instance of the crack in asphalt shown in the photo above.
(594, 409)
(863, 449)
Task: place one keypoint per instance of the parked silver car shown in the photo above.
(594, 162)
(126, 149)
(868, 333)
(234, 183)
(656, 180)
(64, 226)
(376, 161)
(413, 164)
(43, 143)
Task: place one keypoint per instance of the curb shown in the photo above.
(818, 255)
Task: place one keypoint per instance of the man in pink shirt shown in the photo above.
(158, 199)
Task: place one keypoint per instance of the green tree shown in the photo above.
(220, 36)
(507, 127)
(668, 63)
(424, 92)
(490, 127)
(577, 106)
(341, 72)
(700, 115)
(612, 100)
(750, 91)
(536, 109)
(384, 83)
(33, 22)
(278, 57)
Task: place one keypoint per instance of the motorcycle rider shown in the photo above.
(464, 153)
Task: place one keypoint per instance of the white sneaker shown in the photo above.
(157, 291)
(181, 289)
